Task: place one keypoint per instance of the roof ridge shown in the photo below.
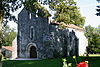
(69, 25)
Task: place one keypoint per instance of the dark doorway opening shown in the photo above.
(33, 52)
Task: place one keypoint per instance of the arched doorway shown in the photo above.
(33, 52)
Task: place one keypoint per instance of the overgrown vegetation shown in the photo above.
(34, 6)
(67, 12)
(6, 9)
(93, 35)
(8, 36)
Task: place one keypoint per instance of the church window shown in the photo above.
(32, 32)
(36, 13)
(30, 16)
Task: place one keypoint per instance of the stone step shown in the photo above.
(27, 59)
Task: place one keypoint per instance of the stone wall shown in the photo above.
(49, 39)
(25, 23)
(65, 42)
(14, 48)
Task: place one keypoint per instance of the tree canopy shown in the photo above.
(6, 9)
(67, 12)
(33, 6)
(93, 35)
(9, 35)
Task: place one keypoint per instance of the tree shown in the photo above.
(93, 35)
(33, 6)
(67, 12)
(6, 9)
(8, 36)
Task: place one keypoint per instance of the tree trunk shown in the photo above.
(0, 34)
(1, 20)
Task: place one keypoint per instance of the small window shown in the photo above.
(32, 32)
(30, 16)
(36, 13)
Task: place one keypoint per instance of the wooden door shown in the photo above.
(33, 52)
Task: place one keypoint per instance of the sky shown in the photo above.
(87, 9)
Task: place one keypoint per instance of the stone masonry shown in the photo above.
(38, 38)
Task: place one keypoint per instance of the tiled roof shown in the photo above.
(8, 48)
(68, 25)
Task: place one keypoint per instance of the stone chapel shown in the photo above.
(39, 38)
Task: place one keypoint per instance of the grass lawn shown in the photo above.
(33, 63)
(93, 62)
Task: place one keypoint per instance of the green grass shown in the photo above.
(93, 62)
(33, 63)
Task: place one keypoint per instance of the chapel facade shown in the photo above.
(39, 38)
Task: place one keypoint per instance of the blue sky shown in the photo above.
(88, 10)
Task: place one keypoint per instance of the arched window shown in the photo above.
(30, 16)
(32, 33)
